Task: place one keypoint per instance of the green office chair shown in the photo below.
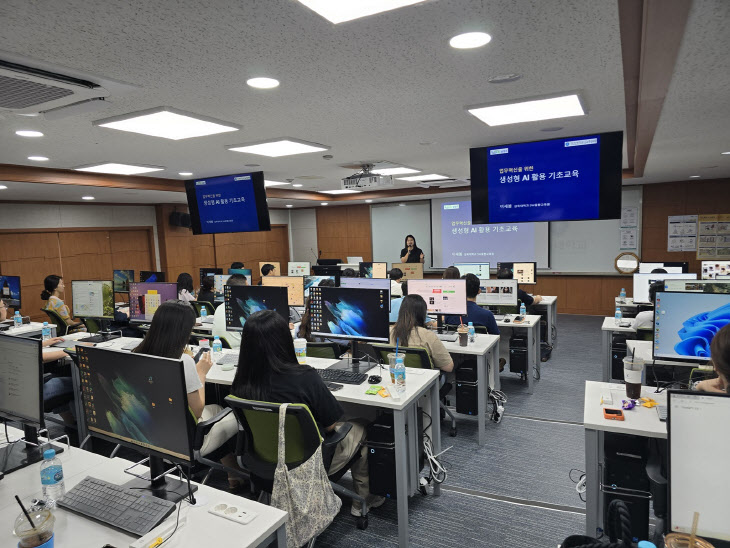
(92, 326)
(224, 342)
(199, 305)
(645, 334)
(61, 326)
(327, 350)
(419, 358)
(258, 442)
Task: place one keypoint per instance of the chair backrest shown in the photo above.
(327, 350)
(92, 326)
(224, 342)
(61, 325)
(477, 328)
(258, 439)
(416, 356)
(645, 334)
(198, 306)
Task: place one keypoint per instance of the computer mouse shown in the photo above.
(374, 379)
(507, 320)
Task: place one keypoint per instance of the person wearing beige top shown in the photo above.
(410, 330)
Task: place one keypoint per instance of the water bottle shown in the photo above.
(617, 316)
(203, 312)
(17, 319)
(217, 348)
(622, 295)
(472, 332)
(400, 376)
(46, 331)
(52, 478)
(523, 309)
(645, 544)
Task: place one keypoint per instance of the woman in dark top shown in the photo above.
(411, 253)
(268, 371)
(206, 294)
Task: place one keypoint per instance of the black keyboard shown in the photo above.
(98, 338)
(341, 376)
(127, 509)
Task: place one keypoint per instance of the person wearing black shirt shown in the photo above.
(206, 293)
(411, 253)
(523, 296)
(268, 371)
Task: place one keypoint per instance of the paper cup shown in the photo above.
(300, 349)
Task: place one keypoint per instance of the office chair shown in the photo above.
(199, 305)
(658, 488)
(199, 429)
(258, 441)
(61, 326)
(645, 334)
(420, 358)
(329, 350)
(224, 342)
(92, 326)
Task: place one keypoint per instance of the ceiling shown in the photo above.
(387, 87)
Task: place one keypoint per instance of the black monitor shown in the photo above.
(326, 270)
(21, 399)
(139, 402)
(243, 300)
(205, 272)
(93, 299)
(10, 291)
(151, 276)
(314, 281)
(524, 272)
(350, 313)
(329, 262)
(122, 279)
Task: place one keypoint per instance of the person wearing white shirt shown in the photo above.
(645, 319)
(185, 289)
(219, 318)
(396, 278)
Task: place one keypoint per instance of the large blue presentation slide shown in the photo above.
(545, 180)
(227, 204)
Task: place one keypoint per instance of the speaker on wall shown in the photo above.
(180, 219)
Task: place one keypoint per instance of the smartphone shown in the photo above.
(200, 354)
(613, 414)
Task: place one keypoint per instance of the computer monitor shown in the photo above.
(243, 272)
(722, 276)
(368, 283)
(314, 281)
(294, 287)
(672, 268)
(326, 270)
(525, 272)
(205, 272)
(145, 298)
(151, 276)
(21, 398)
(354, 260)
(349, 313)
(698, 286)
(122, 279)
(10, 291)
(642, 282)
(713, 269)
(93, 299)
(480, 270)
(411, 271)
(373, 270)
(447, 297)
(300, 268)
(329, 262)
(139, 402)
(219, 282)
(498, 292)
(698, 453)
(243, 300)
(686, 323)
(275, 264)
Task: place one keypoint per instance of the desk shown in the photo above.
(32, 329)
(532, 324)
(550, 304)
(203, 327)
(643, 351)
(482, 345)
(202, 528)
(627, 303)
(640, 421)
(608, 328)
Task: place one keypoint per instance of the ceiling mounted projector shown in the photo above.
(366, 179)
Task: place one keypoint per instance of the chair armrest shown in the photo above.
(654, 472)
(334, 437)
(203, 427)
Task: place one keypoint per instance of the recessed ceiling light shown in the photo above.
(530, 110)
(429, 177)
(28, 133)
(282, 146)
(470, 40)
(87, 198)
(185, 173)
(694, 176)
(504, 78)
(323, 203)
(263, 83)
(289, 205)
(3, 187)
(395, 171)
(298, 185)
(168, 123)
(38, 158)
(368, 201)
(342, 191)
(118, 169)
(274, 183)
(337, 11)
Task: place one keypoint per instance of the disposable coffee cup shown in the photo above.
(300, 349)
(463, 332)
(633, 374)
(40, 536)
(391, 362)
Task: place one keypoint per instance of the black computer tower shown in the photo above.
(467, 388)
(381, 453)
(518, 354)
(618, 353)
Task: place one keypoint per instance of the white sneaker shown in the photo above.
(373, 501)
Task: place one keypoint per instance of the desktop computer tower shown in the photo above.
(518, 354)
(380, 443)
(618, 353)
(467, 388)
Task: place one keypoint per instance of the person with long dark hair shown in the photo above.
(268, 371)
(410, 330)
(206, 293)
(185, 289)
(53, 288)
(411, 253)
(720, 354)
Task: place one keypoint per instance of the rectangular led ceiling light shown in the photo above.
(429, 177)
(282, 146)
(273, 183)
(340, 11)
(529, 110)
(343, 191)
(118, 169)
(168, 123)
(395, 171)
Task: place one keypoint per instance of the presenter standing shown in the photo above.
(411, 253)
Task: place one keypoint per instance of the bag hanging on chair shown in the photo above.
(305, 493)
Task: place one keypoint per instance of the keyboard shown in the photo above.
(207, 319)
(127, 509)
(662, 412)
(98, 338)
(342, 376)
(228, 359)
(499, 317)
(447, 337)
(131, 346)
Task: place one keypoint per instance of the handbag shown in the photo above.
(304, 492)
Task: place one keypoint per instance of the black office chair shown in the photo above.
(656, 471)
(211, 461)
(199, 305)
(329, 350)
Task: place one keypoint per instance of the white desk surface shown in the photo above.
(482, 344)
(529, 321)
(73, 530)
(547, 300)
(643, 351)
(639, 421)
(609, 324)
(27, 328)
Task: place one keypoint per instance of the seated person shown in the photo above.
(451, 273)
(206, 293)
(268, 371)
(348, 273)
(237, 265)
(645, 319)
(185, 289)
(53, 289)
(720, 353)
(396, 281)
(219, 318)
(523, 296)
(410, 330)
(395, 305)
(267, 270)
(475, 313)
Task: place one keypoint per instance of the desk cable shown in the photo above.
(580, 483)
(437, 470)
(497, 399)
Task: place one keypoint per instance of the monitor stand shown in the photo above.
(160, 485)
(24, 453)
(352, 363)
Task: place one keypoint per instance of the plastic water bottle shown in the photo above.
(203, 312)
(617, 316)
(622, 295)
(52, 478)
(217, 348)
(400, 376)
(46, 331)
(523, 309)
(645, 544)
(472, 332)
(17, 319)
